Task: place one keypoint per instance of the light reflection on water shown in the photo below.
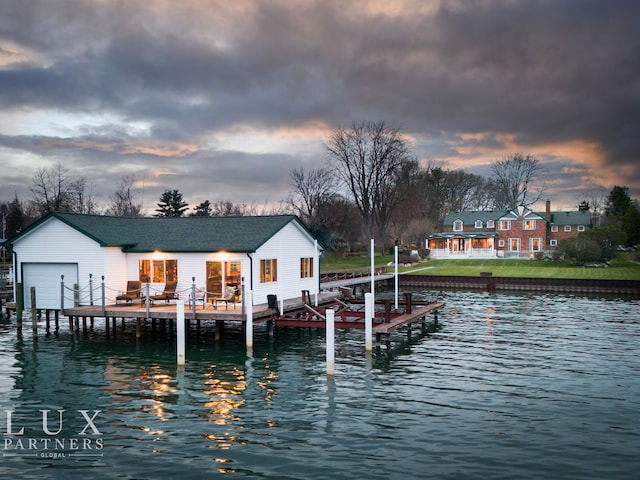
(510, 386)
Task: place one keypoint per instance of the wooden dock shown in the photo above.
(297, 313)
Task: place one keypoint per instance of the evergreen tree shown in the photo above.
(202, 210)
(631, 225)
(171, 204)
(618, 202)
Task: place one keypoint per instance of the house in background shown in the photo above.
(273, 255)
(517, 233)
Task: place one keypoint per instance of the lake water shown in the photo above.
(509, 387)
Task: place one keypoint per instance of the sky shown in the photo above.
(223, 99)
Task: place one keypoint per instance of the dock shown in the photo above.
(303, 312)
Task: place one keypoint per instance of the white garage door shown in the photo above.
(46, 278)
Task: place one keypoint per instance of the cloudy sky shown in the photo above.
(222, 99)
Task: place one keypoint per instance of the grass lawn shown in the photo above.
(619, 269)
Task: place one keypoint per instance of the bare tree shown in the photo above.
(367, 158)
(123, 200)
(309, 191)
(53, 190)
(518, 181)
(596, 198)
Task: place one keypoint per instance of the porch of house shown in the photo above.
(447, 246)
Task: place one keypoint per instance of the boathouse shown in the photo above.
(270, 255)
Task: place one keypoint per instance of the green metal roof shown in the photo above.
(183, 234)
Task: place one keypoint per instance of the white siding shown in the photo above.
(288, 246)
(56, 242)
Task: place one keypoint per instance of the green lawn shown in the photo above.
(619, 269)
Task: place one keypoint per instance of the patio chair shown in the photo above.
(169, 293)
(133, 293)
(229, 296)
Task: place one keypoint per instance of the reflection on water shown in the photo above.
(510, 386)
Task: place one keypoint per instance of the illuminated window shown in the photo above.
(535, 244)
(504, 225)
(490, 224)
(514, 244)
(457, 226)
(158, 271)
(268, 270)
(529, 225)
(306, 267)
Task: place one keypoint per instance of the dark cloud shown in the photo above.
(168, 82)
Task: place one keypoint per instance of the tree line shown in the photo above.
(371, 185)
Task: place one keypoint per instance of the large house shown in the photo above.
(269, 255)
(516, 233)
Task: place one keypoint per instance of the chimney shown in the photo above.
(547, 212)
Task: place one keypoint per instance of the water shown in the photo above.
(509, 387)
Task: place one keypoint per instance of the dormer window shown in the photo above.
(458, 226)
(490, 224)
(478, 223)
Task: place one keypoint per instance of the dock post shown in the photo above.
(104, 312)
(330, 323)
(34, 310)
(249, 321)
(147, 299)
(138, 327)
(62, 293)
(180, 331)
(91, 289)
(193, 298)
(395, 274)
(19, 305)
(368, 322)
(408, 304)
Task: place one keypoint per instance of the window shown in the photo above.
(581, 228)
(457, 226)
(553, 243)
(268, 270)
(158, 271)
(501, 243)
(478, 223)
(554, 228)
(535, 244)
(504, 225)
(529, 225)
(567, 228)
(514, 244)
(306, 267)
(490, 224)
